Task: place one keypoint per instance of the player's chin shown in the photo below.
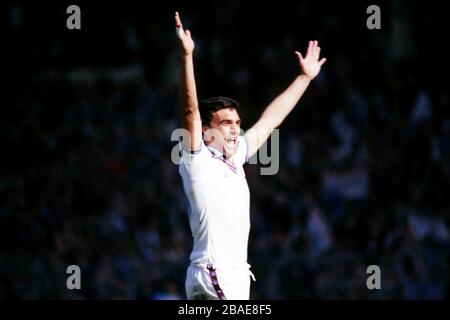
(230, 149)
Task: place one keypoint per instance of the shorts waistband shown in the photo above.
(220, 266)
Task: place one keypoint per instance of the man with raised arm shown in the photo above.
(213, 153)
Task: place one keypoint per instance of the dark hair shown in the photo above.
(209, 106)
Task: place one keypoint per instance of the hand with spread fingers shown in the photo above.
(186, 42)
(310, 65)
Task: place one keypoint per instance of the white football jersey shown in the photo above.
(218, 200)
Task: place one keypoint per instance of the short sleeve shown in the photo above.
(193, 156)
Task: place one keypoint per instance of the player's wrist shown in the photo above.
(304, 77)
(186, 55)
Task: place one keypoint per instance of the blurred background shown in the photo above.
(86, 176)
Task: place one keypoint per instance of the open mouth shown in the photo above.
(231, 142)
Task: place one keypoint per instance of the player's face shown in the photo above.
(226, 126)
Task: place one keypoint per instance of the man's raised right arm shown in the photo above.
(189, 112)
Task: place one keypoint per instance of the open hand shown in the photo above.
(310, 65)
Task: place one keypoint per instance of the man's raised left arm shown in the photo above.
(283, 104)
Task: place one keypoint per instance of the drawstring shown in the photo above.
(252, 275)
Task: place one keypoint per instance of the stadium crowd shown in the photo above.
(87, 176)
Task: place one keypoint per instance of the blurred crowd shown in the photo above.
(87, 177)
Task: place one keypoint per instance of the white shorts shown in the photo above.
(210, 282)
